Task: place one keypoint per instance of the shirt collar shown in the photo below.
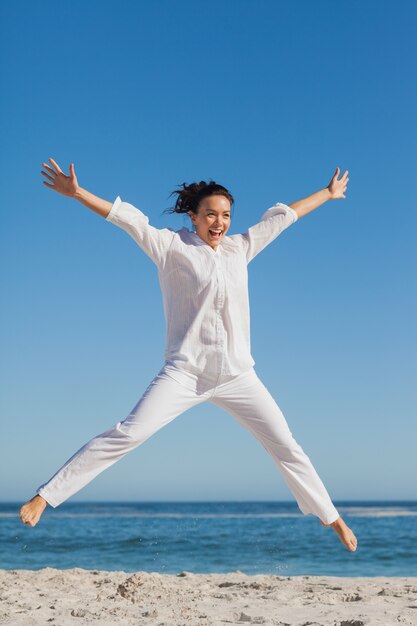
(200, 242)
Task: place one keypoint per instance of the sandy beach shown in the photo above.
(78, 596)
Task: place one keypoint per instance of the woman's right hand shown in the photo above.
(67, 185)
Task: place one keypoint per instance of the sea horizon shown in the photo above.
(200, 536)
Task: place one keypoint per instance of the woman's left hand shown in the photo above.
(338, 187)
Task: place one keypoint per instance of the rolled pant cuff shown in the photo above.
(330, 518)
(51, 501)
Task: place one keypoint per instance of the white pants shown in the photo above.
(172, 392)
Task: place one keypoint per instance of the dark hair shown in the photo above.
(189, 196)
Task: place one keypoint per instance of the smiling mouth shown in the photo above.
(214, 234)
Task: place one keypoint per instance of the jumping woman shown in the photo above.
(204, 281)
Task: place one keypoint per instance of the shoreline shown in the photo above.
(56, 596)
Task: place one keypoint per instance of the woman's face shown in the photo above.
(213, 215)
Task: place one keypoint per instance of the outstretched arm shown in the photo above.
(280, 216)
(154, 241)
(335, 189)
(68, 186)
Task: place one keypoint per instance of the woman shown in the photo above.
(204, 281)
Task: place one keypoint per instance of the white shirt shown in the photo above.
(204, 291)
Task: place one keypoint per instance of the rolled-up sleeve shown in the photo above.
(272, 223)
(153, 241)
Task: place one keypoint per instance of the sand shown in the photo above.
(78, 596)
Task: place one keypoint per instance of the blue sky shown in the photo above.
(266, 98)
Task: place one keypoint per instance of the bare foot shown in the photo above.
(346, 535)
(32, 510)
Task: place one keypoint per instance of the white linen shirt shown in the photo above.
(204, 291)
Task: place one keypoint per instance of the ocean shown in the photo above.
(208, 537)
